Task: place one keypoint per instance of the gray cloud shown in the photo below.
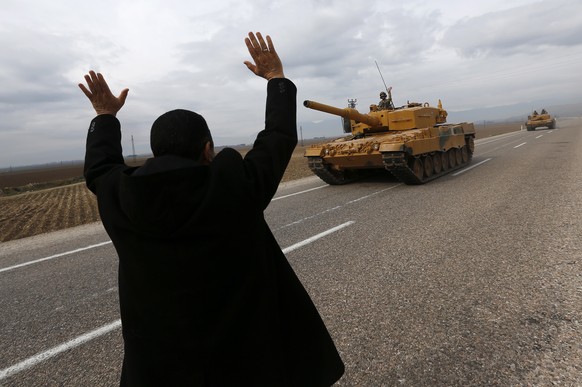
(31, 71)
(536, 26)
(174, 54)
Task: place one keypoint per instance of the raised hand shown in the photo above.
(267, 63)
(103, 101)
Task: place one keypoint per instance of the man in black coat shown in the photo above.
(207, 297)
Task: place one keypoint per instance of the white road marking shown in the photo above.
(316, 237)
(105, 243)
(541, 135)
(53, 256)
(494, 149)
(43, 356)
(38, 358)
(373, 194)
(517, 146)
(299, 193)
(488, 140)
(471, 167)
(337, 207)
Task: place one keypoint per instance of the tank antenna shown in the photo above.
(381, 76)
(388, 90)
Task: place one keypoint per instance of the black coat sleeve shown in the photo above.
(103, 150)
(266, 162)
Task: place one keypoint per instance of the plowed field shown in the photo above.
(53, 209)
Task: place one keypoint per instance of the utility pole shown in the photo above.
(301, 133)
(133, 148)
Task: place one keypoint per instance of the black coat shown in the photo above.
(207, 296)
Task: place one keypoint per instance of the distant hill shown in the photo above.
(571, 110)
(514, 113)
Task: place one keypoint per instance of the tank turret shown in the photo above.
(411, 116)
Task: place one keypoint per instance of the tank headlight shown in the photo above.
(376, 146)
(327, 151)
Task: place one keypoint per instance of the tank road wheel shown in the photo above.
(437, 162)
(417, 168)
(428, 166)
(458, 156)
(444, 160)
(452, 158)
(464, 155)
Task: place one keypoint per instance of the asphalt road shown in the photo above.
(471, 279)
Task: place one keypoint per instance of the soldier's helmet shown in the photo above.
(382, 95)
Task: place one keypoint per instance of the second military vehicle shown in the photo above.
(413, 142)
(536, 120)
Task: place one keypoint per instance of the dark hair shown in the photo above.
(180, 133)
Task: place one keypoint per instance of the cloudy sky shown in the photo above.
(189, 54)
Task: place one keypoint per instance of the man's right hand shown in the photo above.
(267, 63)
(103, 101)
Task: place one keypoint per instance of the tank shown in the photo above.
(536, 120)
(413, 142)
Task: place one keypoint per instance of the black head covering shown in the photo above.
(181, 133)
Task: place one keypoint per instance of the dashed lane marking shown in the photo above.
(316, 237)
(299, 193)
(471, 167)
(54, 256)
(39, 358)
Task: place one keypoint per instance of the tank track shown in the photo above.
(413, 170)
(325, 173)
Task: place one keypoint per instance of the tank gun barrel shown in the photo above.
(349, 113)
